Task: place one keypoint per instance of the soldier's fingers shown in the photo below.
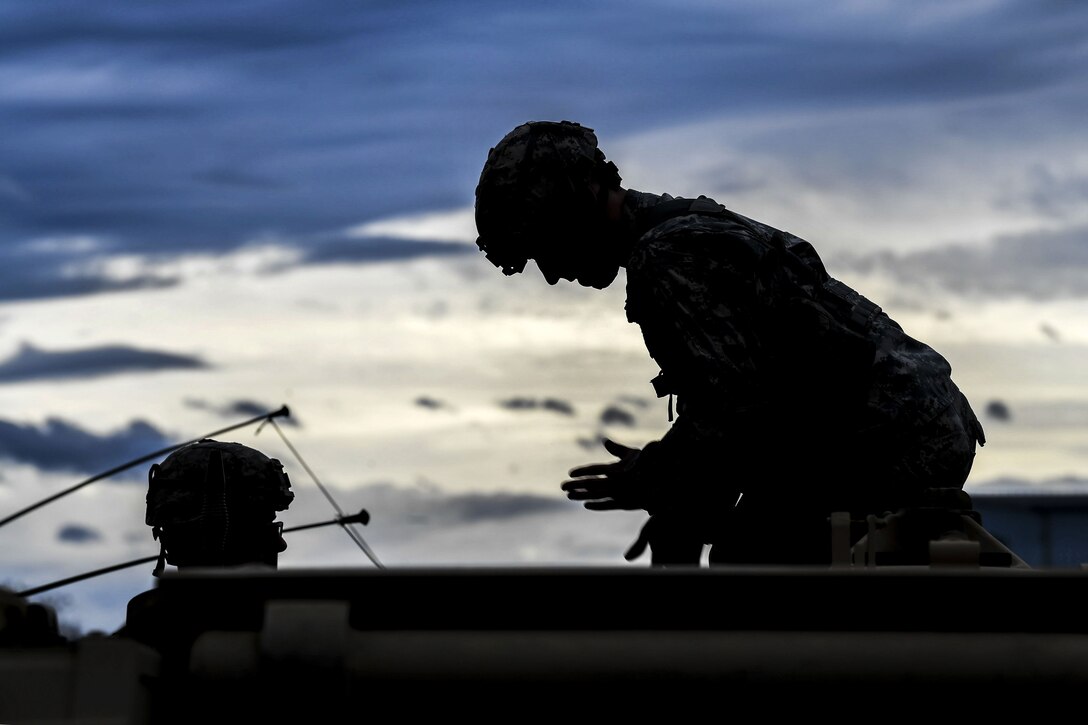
(593, 469)
(610, 504)
(617, 449)
(583, 495)
(597, 485)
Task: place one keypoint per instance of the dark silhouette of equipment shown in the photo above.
(362, 518)
(263, 643)
(163, 505)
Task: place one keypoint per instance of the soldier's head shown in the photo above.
(543, 195)
(214, 504)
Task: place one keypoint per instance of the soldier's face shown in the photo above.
(586, 263)
(586, 253)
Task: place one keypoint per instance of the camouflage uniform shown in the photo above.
(792, 391)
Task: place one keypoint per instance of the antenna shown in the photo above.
(360, 518)
(355, 535)
(150, 456)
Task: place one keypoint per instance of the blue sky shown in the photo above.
(209, 208)
(203, 126)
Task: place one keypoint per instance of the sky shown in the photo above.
(210, 210)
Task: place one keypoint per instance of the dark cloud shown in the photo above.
(614, 415)
(425, 524)
(29, 271)
(58, 445)
(198, 126)
(243, 409)
(557, 406)
(477, 507)
(1042, 265)
(520, 404)
(1053, 195)
(998, 410)
(249, 408)
(552, 404)
(237, 178)
(1050, 331)
(381, 249)
(32, 363)
(77, 534)
(32, 273)
(201, 26)
(428, 505)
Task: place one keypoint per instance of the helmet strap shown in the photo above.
(160, 564)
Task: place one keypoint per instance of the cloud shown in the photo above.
(998, 410)
(551, 404)
(237, 178)
(478, 507)
(12, 190)
(617, 416)
(79, 265)
(101, 106)
(34, 271)
(1049, 192)
(426, 504)
(77, 534)
(1043, 265)
(458, 225)
(380, 249)
(58, 445)
(242, 408)
(423, 524)
(430, 403)
(32, 363)
(86, 264)
(1050, 331)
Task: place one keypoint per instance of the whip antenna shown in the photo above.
(344, 522)
(360, 518)
(267, 417)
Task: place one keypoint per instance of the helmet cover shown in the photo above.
(214, 503)
(177, 486)
(535, 189)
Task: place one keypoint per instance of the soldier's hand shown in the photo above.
(609, 486)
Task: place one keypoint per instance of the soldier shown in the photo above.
(795, 396)
(211, 505)
(214, 504)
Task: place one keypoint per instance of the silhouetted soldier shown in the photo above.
(210, 504)
(213, 503)
(793, 392)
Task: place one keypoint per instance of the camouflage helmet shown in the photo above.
(215, 503)
(535, 189)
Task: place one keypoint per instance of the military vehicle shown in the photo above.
(928, 614)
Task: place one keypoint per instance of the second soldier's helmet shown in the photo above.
(212, 503)
(535, 189)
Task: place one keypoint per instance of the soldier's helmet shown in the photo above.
(535, 189)
(212, 503)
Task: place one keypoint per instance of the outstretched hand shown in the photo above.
(609, 486)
